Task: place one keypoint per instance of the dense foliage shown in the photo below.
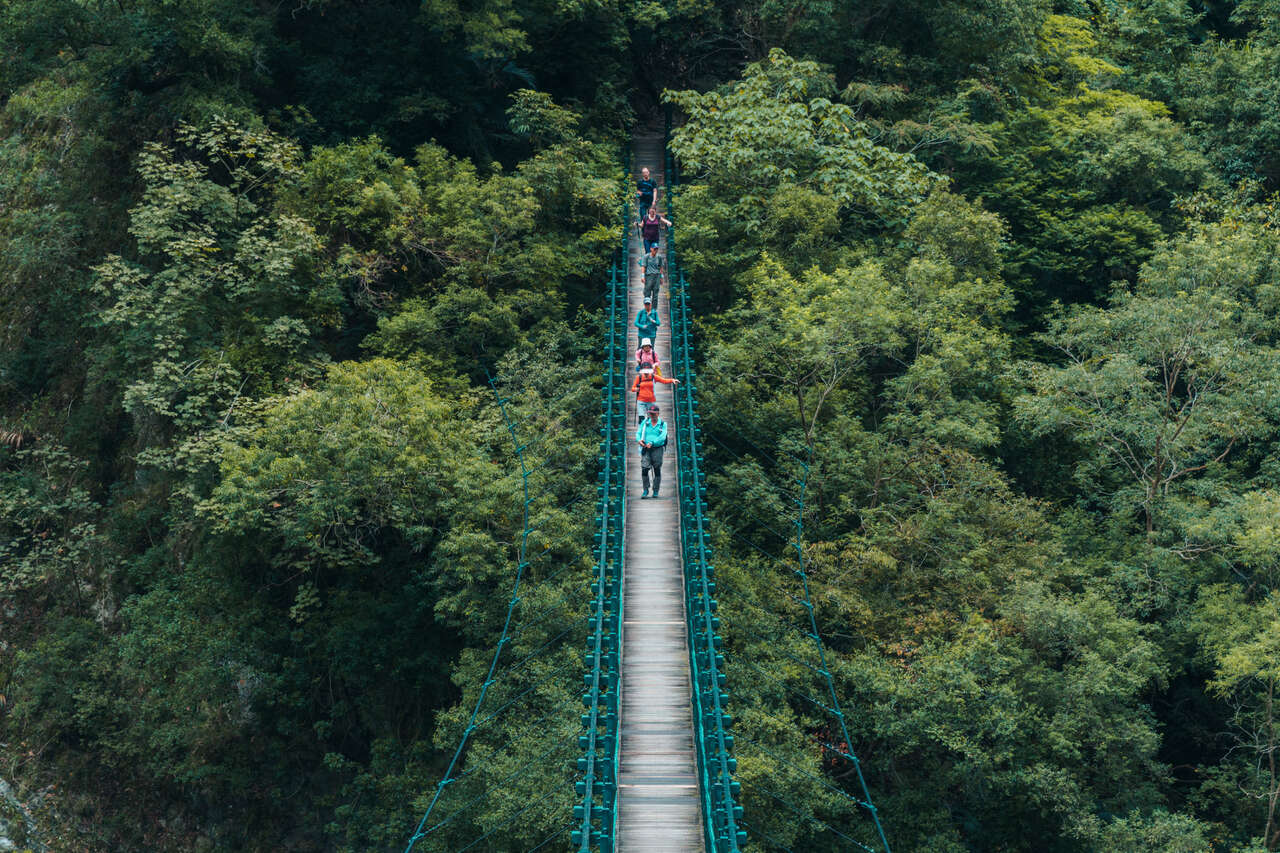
(998, 280)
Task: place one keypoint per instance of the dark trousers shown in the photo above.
(651, 460)
(652, 284)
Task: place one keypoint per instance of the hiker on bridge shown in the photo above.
(646, 191)
(646, 356)
(647, 320)
(652, 437)
(643, 388)
(651, 226)
(654, 266)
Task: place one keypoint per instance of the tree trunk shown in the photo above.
(1271, 836)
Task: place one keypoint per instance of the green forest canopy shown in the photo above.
(1009, 270)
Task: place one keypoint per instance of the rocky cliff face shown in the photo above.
(17, 827)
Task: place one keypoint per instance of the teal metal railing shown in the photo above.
(843, 751)
(596, 811)
(713, 723)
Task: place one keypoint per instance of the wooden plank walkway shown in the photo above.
(658, 798)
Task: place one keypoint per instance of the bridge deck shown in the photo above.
(658, 799)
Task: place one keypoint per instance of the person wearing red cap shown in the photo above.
(652, 438)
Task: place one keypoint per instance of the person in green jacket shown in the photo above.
(652, 437)
(647, 320)
(654, 266)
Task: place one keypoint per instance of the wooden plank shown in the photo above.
(659, 807)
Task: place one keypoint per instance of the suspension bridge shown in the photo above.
(658, 804)
(640, 750)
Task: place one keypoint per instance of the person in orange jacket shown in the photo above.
(642, 387)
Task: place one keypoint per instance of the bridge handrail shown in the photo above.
(595, 814)
(797, 544)
(722, 816)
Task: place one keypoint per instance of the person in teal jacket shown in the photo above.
(647, 320)
(652, 437)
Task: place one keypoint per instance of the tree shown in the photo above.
(1242, 638)
(955, 301)
(1168, 381)
(807, 338)
(798, 136)
(777, 157)
(222, 296)
(51, 550)
(1229, 91)
(1085, 172)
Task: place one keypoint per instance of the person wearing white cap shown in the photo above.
(646, 356)
(647, 320)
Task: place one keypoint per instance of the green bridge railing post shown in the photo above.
(595, 814)
(700, 575)
(714, 741)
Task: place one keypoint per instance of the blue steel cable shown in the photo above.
(523, 693)
(800, 571)
(805, 773)
(521, 565)
(552, 837)
(834, 709)
(754, 830)
(816, 636)
(742, 458)
(478, 797)
(540, 617)
(721, 813)
(536, 726)
(821, 823)
(799, 694)
(512, 667)
(510, 820)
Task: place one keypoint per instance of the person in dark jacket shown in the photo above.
(651, 226)
(646, 191)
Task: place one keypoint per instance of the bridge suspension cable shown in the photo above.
(824, 788)
(513, 736)
(813, 773)
(723, 816)
(595, 815)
